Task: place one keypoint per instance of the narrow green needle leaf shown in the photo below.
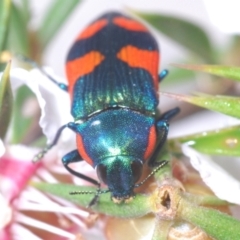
(217, 224)
(25, 9)
(5, 8)
(220, 142)
(54, 19)
(186, 33)
(218, 70)
(21, 123)
(18, 40)
(223, 104)
(139, 206)
(6, 102)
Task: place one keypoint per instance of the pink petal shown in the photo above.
(15, 171)
(5, 234)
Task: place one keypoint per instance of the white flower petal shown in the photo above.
(55, 106)
(29, 206)
(20, 232)
(2, 148)
(18, 77)
(224, 185)
(224, 14)
(53, 101)
(6, 212)
(41, 225)
(21, 152)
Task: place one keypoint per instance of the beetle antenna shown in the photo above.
(41, 154)
(161, 164)
(34, 64)
(95, 198)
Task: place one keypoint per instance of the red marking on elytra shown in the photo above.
(82, 66)
(145, 59)
(82, 151)
(129, 24)
(92, 29)
(152, 138)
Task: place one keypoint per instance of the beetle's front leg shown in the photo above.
(72, 157)
(162, 129)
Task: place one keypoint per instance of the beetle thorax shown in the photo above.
(115, 133)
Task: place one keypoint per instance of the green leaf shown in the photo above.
(209, 200)
(136, 208)
(6, 101)
(18, 40)
(218, 225)
(21, 123)
(54, 19)
(25, 10)
(5, 9)
(224, 104)
(185, 33)
(225, 141)
(218, 70)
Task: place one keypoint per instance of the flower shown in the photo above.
(26, 213)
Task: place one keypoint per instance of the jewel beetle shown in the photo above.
(112, 72)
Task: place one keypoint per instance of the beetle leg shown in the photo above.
(169, 114)
(162, 75)
(72, 157)
(63, 86)
(54, 142)
(40, 155)
(162, 128)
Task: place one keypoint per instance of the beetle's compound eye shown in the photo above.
(102, 173)
(137, 168)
